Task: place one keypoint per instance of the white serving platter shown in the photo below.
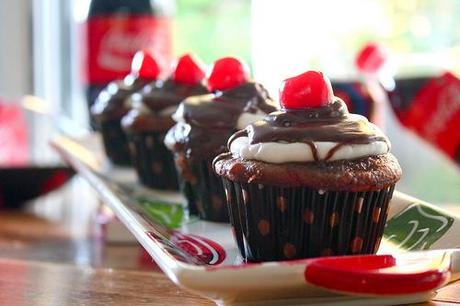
(203, 257)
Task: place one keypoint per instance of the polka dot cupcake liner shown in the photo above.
(153, 162)
(188, 191)
(203, 190)
(274, 223)
(115, 142)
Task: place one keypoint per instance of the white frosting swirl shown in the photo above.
(277, 152)
(246, 118)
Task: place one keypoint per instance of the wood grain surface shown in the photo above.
(38, 283)
(52, 254)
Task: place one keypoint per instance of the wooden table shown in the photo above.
(49, 255)
(39, 283)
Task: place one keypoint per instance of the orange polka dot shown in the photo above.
(157, 168)
(289, 250)
(199, 205)
(281, 203)
(308, 216)
(356, 244)
(132, 149)
(359, 205)
(264, 227)
(216, 202)
(376, 214)
(334, 219)
(149, 142)
(327, 252)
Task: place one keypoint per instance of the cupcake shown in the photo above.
(204, 123)
(308, 180)
(113, 103)
(150, 118)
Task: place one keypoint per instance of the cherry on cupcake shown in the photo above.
(145, 66)
(188, 70)
(307, 90)
(371, 58)
(227, 73)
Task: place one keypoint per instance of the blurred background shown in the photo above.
(45, 48)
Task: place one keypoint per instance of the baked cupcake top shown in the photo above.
(112, 102)
(205, 122)
(153, 106)
(315, 126)
(311, 141)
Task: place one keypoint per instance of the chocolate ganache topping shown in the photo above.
(112, 102)
(205, 122)
(331, 125)
(156, 102)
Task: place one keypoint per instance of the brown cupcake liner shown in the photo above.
(274, 223)
(115, 142)
(203, 189)
(153, 162)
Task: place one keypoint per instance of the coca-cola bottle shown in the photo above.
(115, 30)
(425, 99)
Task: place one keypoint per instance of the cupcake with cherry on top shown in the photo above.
(308, 180)
(113, 103)
(150, 118)
(204, 123)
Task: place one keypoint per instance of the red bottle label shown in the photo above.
(113, 41)
(435, 114)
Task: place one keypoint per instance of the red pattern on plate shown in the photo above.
(206, 250)
(368, 275)
(191, 248)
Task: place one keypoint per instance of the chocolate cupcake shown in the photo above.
(309, 180)
(204, 124)
(113, 103)
(149, 120)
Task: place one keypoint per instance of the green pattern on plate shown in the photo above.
(167, 214)
(417, 227)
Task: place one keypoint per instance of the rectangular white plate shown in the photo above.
(203, 257)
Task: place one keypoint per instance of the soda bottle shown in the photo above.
(114, 30)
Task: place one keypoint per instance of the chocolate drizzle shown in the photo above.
(155, 103)
(331, 123)
(207, 121)
(222, 110)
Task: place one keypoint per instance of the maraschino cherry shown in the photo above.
(145, 66)
(307, 90)
(227, 73)
(188, 70)
(371, 58)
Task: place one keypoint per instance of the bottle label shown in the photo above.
(113, 41)
(434, 114)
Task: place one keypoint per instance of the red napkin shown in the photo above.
(14, 149)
